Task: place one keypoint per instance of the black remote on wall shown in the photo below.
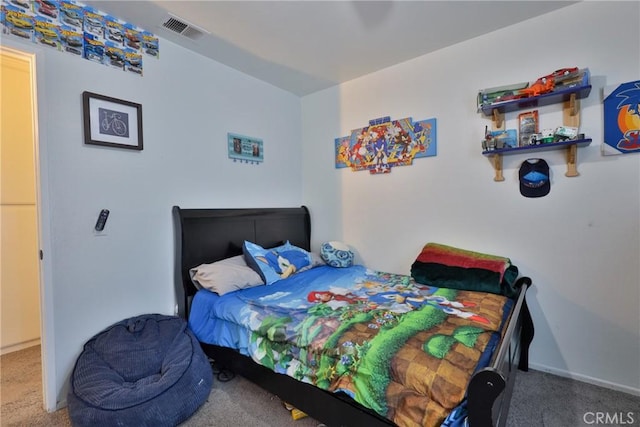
(102, 219)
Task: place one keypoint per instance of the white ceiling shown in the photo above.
(306, 46)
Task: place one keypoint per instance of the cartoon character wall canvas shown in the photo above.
(386, 143)
(622, 119)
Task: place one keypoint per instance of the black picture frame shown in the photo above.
(112, 122)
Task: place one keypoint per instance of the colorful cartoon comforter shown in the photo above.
(404, 349)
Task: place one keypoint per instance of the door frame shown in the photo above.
(47, 342)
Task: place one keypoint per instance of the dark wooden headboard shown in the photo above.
(208, 235)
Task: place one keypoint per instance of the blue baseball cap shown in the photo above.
(534, 178)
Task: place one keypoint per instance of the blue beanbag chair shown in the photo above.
(148, 370)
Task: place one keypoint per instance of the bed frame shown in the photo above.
(208, 235)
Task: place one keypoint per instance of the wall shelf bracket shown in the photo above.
(572, 155)
(574, 105)
(496, 160)
(498, 119)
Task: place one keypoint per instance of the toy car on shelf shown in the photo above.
(499, 139)
(545, 137)
(565, 133)
(562, 78)
(499, 94)
(540, 86)
(559, 134)
(562, 72)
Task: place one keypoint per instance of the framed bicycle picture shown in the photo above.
(112, 122)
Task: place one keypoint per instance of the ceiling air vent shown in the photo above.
(184, 28)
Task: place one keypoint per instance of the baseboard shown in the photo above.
(60, 405)
(586, 379)
(20, 346)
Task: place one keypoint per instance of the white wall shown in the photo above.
(189, 104)
(580, 244)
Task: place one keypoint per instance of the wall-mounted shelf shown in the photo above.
(570, 99)
(541, 147)
(570, 146)
(555, 97)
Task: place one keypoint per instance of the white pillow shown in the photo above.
(225, 276)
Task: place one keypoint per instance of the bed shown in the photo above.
(208, 235)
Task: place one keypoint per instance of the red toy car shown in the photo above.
(46, 7)
(562, 72)
(547, 83)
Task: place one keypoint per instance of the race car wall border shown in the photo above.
(77, 29)
(386, 143)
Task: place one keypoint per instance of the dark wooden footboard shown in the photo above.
(489, 391)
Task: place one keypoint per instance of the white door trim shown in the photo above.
(44, 230)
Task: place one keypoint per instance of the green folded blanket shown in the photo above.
(448, 267)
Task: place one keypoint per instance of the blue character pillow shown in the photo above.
(336, 254)
(276, 263)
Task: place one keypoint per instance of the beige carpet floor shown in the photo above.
(235, 403)
(539, 400)
(21, 392)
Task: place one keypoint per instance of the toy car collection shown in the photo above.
(501, 139)
(73, 27)
(560, 79)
